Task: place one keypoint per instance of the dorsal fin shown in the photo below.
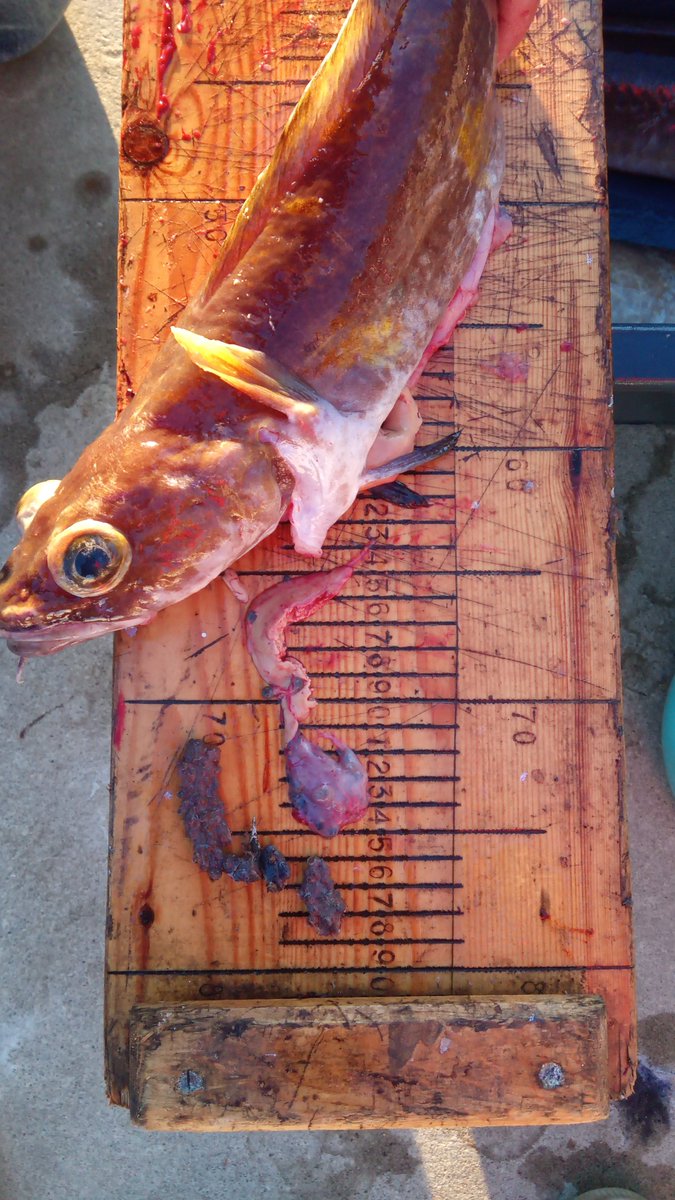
(340, 75)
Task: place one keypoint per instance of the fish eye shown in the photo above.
(88, 558)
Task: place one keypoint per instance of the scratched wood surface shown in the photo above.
(328, 1064)
(472, 661)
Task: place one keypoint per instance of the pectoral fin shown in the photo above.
(252, 372)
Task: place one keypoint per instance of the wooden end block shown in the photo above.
(327, 1064)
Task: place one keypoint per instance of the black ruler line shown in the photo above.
(392, 701)
(231, 83)
(387, 912)
(446, 624)
(262, 702)
(517, 326)
(374, 649)
(440, 804)
(388, 751)
(377, 858)
(316, 12)
(442, 521)
(379, 547)
(365, 970)
(396, 597)
(552, 203)
(524, 449)
(367, 725)
(421, 474)
(316, 944)
(400, 779)
(389, 674)
(403, 572)
(454, 795)
(538, 700)
(183, 200)
(378, 831)
(437, 885)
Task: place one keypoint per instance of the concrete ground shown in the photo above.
(60, 1140)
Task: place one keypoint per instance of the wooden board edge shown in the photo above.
(325, 1064)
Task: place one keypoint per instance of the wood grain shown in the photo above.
(473, 659)
(356, 1064)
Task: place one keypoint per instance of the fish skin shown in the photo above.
(394, 157)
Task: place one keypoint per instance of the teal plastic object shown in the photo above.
(668, 735)
(610, 1193)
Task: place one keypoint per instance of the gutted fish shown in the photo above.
(285, 388)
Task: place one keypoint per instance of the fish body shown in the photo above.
(274, 396)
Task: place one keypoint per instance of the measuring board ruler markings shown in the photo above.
(471, 661)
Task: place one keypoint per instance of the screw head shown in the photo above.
(190, 1082)
(551, 1075)
(144, 142)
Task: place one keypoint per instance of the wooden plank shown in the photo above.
(330, 1065)
(472, 661)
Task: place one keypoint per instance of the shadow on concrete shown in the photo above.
(566, 1161)
(58, 265)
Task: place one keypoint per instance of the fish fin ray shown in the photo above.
(338, 78)
(399, 494)
(409, 462)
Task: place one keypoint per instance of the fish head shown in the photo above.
(145, 518)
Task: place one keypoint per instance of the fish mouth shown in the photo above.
(39, 642)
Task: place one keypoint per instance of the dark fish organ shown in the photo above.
(274, 868)
(325, 906)
(327, 791)
(205, 825)
(201, 806)
(242, 868)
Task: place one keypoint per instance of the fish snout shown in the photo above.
(16, 607)
(24, 631)
(18, 627)
(22, 624)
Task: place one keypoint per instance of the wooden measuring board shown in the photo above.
(472, 660)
